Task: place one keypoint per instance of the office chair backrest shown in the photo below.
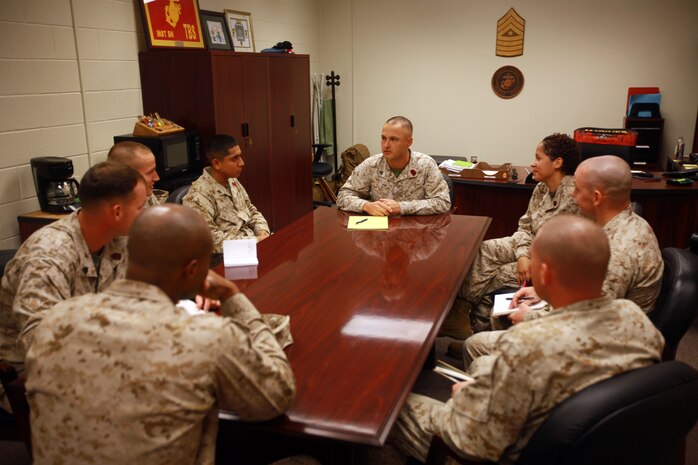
(594, 142)
(640, 417)
(5, 257)
(677, 303)
(178, 194)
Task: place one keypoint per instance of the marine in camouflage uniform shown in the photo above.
(420, 188)
(494, 267)
(52, 265)
(125, 377)
(634, 272)
(227, 210)
(534, 368)
(151, 201)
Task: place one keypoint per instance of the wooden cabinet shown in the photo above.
(263, 100)
(649, 137)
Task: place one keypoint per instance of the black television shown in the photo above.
(176, 155)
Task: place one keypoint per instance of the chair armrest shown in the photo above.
(693, 243)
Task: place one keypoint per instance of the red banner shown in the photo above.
(173, 23)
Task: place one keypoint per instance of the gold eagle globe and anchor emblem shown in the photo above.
(173, 11)
(507, 82)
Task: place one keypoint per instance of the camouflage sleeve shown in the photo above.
(257, 221)
(523, 237)
(538, 313)
(484, 418)
(353, 194)
(206, 207)
(254, 376)
(436, 196)
(43, 284)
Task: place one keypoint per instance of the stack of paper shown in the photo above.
(451, 372)
(368, 222)
(502, 301)
(455, 166)
(240, 252)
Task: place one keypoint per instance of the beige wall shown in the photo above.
(433, 63)
(69, 80)
(69, 73)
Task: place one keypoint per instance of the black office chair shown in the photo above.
(14, 426)
(637, 208)
(177, 195)
(5, 256)
(320, 170)
(677, 303)
(640, 417)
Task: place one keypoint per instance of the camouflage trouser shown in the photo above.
(480, 344)
(494, 268)
(411, 435)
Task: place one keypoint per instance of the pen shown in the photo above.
(361, 221)
(521, 298)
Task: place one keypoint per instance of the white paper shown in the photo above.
(240, 252)
(502, 302)
(190, 307)
(452, 167)
(236, 273)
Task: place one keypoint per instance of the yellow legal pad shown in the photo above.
(368, 222)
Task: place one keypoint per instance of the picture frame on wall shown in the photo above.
(240, 27)
(170, 24)
(216, 33)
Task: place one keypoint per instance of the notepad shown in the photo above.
(240, 252)
(368, 222)
(502, 301)
(451, 372)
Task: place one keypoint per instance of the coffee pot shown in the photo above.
(56, 190)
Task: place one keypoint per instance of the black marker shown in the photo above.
(361, 221)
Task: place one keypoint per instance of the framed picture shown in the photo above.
(240, 27)
(215, 31)
(172, 23)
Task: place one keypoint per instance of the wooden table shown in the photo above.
(365, 309)
(672, 211)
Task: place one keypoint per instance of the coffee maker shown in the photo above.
(56, 189)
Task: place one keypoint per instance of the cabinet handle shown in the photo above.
(245, 130)
(293, 121)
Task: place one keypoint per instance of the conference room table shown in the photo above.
(365, 309)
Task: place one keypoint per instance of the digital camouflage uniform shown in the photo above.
(52, 265)
(420, 189)
(228, 211)
(151, 201)
(125, 377)
(635, 272)
(494, 266)
(535, 367)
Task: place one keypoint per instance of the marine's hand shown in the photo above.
(525, 294)
(377, 208)
(520, 314)
(523, 270)
(217, 287)
(206, 304)
(458, 386)
(263, 235)
(393, 205)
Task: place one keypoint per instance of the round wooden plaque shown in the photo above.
(507, 82)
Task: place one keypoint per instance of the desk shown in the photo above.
(672, 211)
(365, 309)
(30, 222)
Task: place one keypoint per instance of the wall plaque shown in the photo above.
(507, 82)
(510, 34)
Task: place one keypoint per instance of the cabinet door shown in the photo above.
(241, 99)
(291, 137)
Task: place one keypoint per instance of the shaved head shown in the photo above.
(165, 238)
(576, 251)
(129, 153)
(608, 174)
(402, 122)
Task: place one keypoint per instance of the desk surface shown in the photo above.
(365, 309)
